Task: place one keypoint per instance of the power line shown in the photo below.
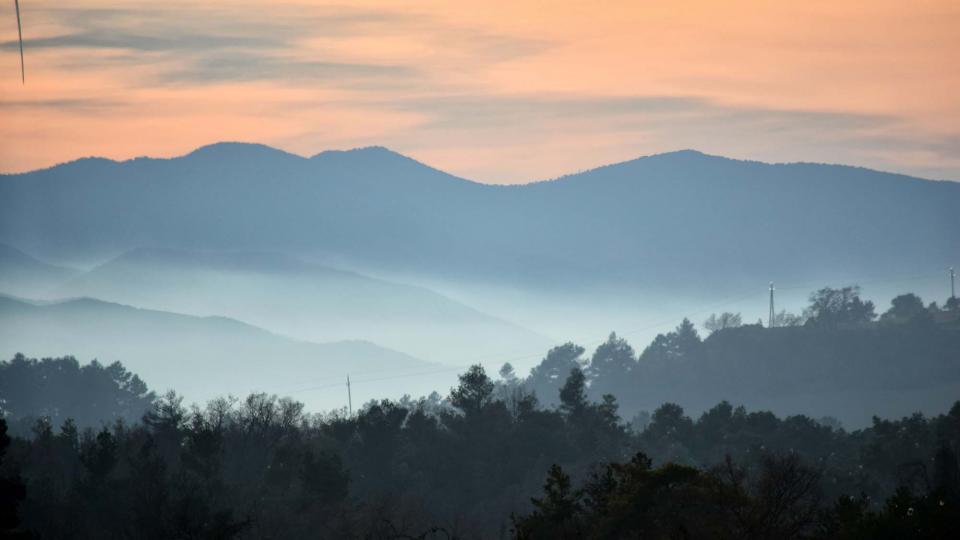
(868, 281)
(314, 384)
(501, 356)
(659, 323)
(361, 381)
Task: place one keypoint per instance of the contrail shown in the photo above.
(23, 77)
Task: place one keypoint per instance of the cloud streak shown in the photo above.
(62, 105)
(244, 66)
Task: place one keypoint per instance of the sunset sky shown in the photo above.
(493, 91)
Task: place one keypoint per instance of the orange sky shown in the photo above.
(493, 91)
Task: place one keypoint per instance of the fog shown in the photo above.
(206, 358)
(244, 343)
(240, 322)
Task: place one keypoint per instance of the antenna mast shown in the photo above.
(770, 320)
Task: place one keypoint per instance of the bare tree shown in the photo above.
(725, 320)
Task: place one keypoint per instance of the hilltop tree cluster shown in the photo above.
(58, 389)
(837, 346)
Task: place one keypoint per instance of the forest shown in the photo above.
(434, 270)
(570, 451)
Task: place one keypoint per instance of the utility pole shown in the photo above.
(770, 320)
(349, 397)
(953, 292)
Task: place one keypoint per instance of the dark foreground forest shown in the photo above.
(90, 452)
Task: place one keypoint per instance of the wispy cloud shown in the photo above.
(88, 105)
(219, 44)
(204, 45)
(119, 39)
(248, 66)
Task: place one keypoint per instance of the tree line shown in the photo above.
(472, 468)
(493, 459)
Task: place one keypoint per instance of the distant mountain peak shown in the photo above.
(672, 158)
(369, 154)
(235, 150)
(375, 150)
(20, 271)
(683, 152)
(385, 163)
(685, 155)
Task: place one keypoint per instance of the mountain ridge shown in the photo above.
(229, 148)
(86, 302)
(299, 298)
(254, 262)
(223, 355)
(671, 157)
(657, 221)
(22, 272)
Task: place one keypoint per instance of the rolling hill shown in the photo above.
(201, 357)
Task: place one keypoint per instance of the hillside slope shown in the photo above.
(306, 300)
(22, 274)
(201, 357)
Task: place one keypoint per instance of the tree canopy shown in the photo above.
(492, 460)
(58, 388)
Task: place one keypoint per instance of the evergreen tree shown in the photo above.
(474, 391)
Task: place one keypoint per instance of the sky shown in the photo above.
(500, 92)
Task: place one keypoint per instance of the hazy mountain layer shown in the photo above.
(305, 300)
(201, 357)
(22, 274)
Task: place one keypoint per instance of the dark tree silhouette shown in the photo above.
(474, 391)
(839, 307)
(573, 395)
(907, 308)
(61, 387)
(12, 490)
(720, 322)
(546, 378)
